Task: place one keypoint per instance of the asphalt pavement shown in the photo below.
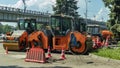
(16, 60)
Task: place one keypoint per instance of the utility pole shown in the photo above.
(66, 7)
(86, 13)
(86, 10)
(24, 5)
(102, 19)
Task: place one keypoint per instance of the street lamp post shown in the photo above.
(86, 13)
(24, 5)
(86, 2)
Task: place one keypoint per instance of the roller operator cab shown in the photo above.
(65, 37)
(93, 30)
(17, 40)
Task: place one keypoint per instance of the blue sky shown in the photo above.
(96, 9)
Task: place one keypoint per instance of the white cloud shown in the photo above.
(82, 7)
(18, 4)
(9, 5)
(31, 2)
(47, 5)
(40, 5)
(103, 13)
(81, 4)
(99, 14)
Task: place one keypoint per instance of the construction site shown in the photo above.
(63, 39)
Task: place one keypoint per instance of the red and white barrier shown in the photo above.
(97, 43)
(36, 55)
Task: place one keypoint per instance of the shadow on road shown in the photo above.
(90, 62)
(33, 67)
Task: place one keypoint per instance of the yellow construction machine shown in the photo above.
(17, 40)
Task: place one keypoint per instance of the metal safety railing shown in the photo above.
(18, 10)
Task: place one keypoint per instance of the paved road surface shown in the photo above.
(16, 60)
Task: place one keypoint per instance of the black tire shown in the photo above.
(78, 47)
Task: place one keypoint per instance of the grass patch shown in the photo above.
(118, 43)
(109, 53)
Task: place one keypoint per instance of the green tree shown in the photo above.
(67, 7)
(7, 28)
(114, 21)
(1, 28)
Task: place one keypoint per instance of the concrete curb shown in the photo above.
(104, 59)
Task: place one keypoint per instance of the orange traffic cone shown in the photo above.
(49, 53)
(62, 55)
(6, 51)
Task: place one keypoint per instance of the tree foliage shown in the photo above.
(114, 21)
(1, 28)
(6, 28)
(67, 7)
